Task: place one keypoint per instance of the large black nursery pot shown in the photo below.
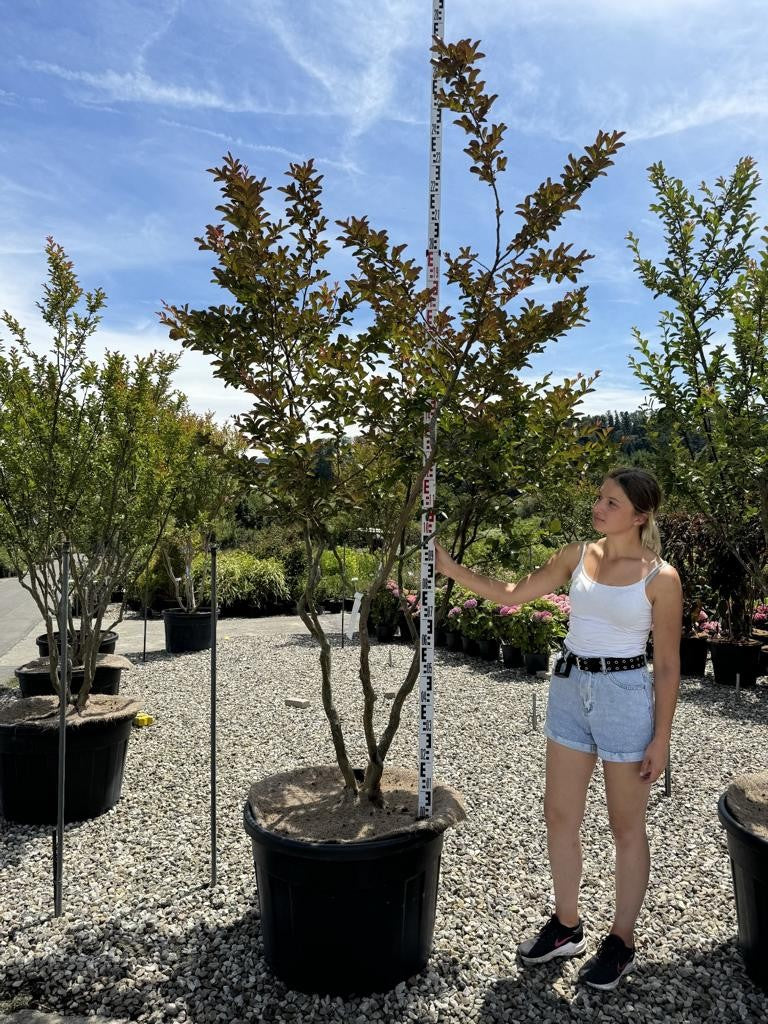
(730, 657)
(346, 916)
(743, 812)
(96, 747)
(385, 632)
(187, 631)
(35, 677)
(469, 644)
(452, 640)
(693, 655)
(107, 643)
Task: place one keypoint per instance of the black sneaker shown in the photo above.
(609, 965)
(553, 940)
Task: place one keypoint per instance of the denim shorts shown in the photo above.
(605, 713)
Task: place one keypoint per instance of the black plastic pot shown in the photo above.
(106, 646)
(763, 663)
(469, 645)
(537, 662)
(693, 655)
(489, 649)
(405, 632)
(452, 640)
(385, 632)
(36, 681)
(440, 637)
(513, 656)
(95, 759)
(729, 658)
(749, 868)
(187, 631)
(343, 918)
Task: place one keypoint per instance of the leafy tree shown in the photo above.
(708, 378)
(286, 339)
(90, 454)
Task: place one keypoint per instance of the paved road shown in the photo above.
(18, 614)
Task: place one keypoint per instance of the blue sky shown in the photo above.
(111, 111)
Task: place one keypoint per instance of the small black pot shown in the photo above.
(452, 640)
(693, 655)
(729, 658)
(405, 632)
(537, 662)
(187, 631)
(106, 646)
(318, 900)
(385, 632)
(513, 656)
(334, 607)
(763, 664)
(469, 645)
(489, 649)
(440, 636)
(749, 868)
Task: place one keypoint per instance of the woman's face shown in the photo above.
(612, 511)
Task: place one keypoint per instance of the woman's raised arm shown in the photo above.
(553, 574)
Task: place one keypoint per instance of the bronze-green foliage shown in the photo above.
(90, 455)
(287, 335)
(242, 581)
(707, 378)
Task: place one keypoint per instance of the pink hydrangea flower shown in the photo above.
(470, 603)
(454, 611)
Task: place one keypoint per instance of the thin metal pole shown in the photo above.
(343, 589)
(214, 548)
(146, 598)
(429, 485)
(58, 871)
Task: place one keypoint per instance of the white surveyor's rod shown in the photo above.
(429, 487)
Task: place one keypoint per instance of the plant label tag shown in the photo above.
(354, 616)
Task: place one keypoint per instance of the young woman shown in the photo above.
(602, 703)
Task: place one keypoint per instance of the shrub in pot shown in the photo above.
(743, 812)
(385, 610)
(537, 628)
(324, 878)
(89, 458)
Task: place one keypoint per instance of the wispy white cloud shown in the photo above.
(344, 165)
(721, 103)
(139, 87)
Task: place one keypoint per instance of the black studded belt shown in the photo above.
(605, 664)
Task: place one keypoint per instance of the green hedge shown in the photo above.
(242, 581)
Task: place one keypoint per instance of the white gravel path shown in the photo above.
(143, 938)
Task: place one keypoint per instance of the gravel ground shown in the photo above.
(144, 938)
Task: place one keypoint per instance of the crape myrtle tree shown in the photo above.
(90, 453)
(288, 338)
(707, 378)
(213, 485)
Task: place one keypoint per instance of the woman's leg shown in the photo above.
(567, 781)
(627, 797)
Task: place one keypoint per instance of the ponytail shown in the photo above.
(649, 534)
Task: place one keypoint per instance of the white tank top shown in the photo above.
(608, 620)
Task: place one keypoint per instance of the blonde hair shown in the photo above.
(642, 489)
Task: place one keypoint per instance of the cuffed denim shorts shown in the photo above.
(605, 713)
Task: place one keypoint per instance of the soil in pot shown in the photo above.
(96, 747)
(106, 646)
(730, 657)
(743, 811)
(326, 868)
(35, 679)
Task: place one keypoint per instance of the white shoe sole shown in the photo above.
(567, 949)
(609, 986)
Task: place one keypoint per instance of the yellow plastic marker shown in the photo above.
(143, 718)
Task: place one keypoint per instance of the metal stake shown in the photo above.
(214, 548)
(58, 870)
(668, 778)
(146, 599)
(343, 589)
(738, 684)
